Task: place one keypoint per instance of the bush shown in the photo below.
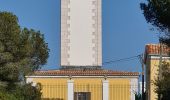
(28, 92)
(7, 96)
(162, 84)
(138, 96)
(21, 92)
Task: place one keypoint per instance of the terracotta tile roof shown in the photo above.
(154, 49)
(84, 73)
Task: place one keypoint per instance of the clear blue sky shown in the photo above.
(125, 31)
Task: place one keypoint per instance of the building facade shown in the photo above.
(86, 84)
(81, 76)
(81, 33)
(152, 61)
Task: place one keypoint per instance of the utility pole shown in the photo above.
(142, 62)
(142, 76)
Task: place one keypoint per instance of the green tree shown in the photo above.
(22, 51)
(28, 92)
(163, 87)
(157, 13)
(6, 96)
(22, 92)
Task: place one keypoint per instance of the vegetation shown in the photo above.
(157, 13)
(28, 92)
(23, 92)
(6, 96)
(138, 96)
(163, 87)
(22, 51)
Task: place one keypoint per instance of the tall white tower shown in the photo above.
(81, 33)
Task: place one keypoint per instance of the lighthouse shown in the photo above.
(81, 33)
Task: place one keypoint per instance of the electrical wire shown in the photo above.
(122, 60)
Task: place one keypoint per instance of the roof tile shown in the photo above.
(84, 73)
(154, 49)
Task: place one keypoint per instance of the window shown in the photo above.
(81, 95)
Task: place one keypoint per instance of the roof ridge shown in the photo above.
(86, 72)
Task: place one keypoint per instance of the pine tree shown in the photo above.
(22, 51)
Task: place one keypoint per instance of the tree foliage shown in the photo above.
(28, 92)
(157, 12)
(7, 96)
(163, 84)
(22, 51)
(22, 92)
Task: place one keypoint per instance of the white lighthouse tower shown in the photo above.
(81, 33)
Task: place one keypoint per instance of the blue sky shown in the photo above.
(125, 31)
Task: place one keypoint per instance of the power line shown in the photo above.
(122, 60)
